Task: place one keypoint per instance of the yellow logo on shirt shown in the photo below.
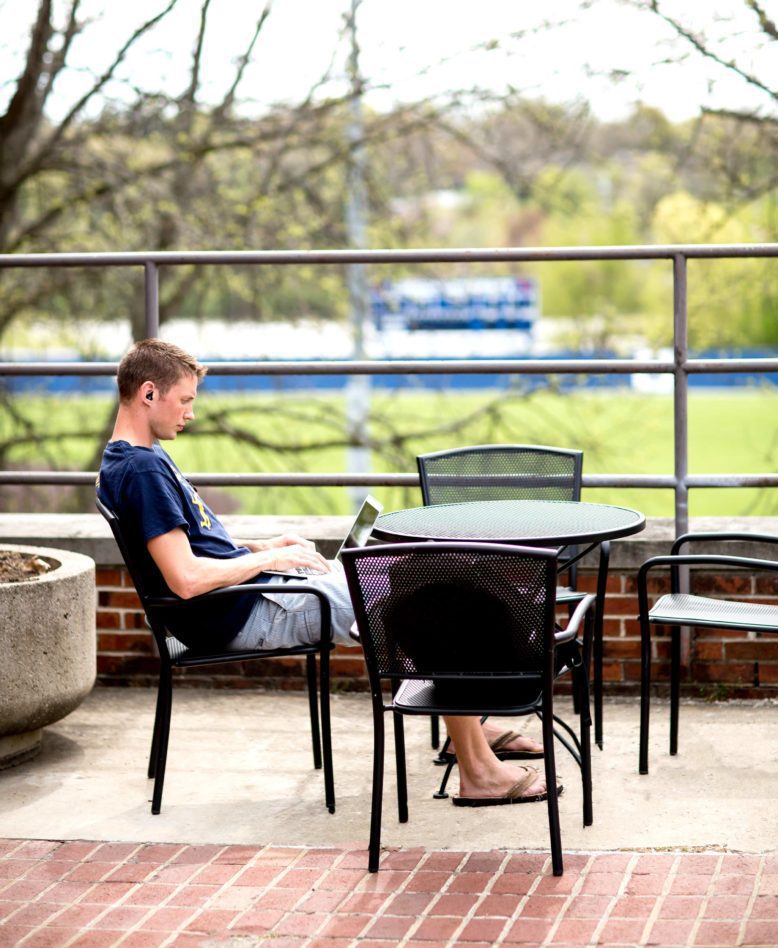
(205, 520)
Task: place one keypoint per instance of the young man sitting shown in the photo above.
(184, 549)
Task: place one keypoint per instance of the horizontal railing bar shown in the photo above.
(629, 480)
(394, 367)
(344, 479)
(81, 478)
(58, 368)
(421, 367)
(732, 480)
(697, 366)
(430, 255)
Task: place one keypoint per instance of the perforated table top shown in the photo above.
(530, 522)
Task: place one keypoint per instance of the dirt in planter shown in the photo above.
(17, 567)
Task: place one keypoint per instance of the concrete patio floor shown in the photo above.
(239, 771)
(245, 853)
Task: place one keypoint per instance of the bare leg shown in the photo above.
(519, 743)
(480, 772)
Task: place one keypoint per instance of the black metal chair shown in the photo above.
(467, 629)
(174, 654)
(678, 610)
(518, 472)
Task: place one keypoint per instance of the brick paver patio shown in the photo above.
(102, 894)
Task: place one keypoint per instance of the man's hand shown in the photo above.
(289, 555)
(288, 539)
(275, 543)
(287, 551)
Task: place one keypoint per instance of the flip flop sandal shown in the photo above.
(505, 738)
(514, 794)
(449, 757)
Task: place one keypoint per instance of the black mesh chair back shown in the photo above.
(464, 613)
(175, 654)
(500, 472)
(509, 472)
(465, 628)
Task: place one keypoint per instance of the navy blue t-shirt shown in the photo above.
(150, 496)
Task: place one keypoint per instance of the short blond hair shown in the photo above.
(152, 360)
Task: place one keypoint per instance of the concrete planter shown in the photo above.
(47, 648)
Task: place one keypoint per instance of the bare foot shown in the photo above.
(502, 739)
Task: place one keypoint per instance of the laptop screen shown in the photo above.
(362, 526)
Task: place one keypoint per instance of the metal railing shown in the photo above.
(680, 367)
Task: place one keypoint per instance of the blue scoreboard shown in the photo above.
(476, 303)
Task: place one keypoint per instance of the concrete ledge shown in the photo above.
(89, 534)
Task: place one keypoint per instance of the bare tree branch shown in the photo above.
(59, 58)
(229, 98)
(699, 44)
(190, 95)
(36, 159)
(768, 26)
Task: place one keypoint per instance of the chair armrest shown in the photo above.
(570, 631)
(168, 602)
(702, 559)
(695, 559)
(716, 536)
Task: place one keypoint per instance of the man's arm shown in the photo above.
(188, 575)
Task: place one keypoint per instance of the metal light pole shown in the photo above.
(358, 386)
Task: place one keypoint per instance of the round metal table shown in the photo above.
(554, 523)
(551, 523)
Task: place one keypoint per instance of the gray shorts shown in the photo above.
(281, 620)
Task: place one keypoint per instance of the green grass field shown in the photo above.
(620, 432)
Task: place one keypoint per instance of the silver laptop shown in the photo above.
(358, 535)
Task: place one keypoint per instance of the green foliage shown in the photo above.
(628, 434)
(732, 303)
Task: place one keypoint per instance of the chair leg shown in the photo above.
(645, 685)
(586, 774)
(434, 731)
(602, 583)
(402, 776)
(326, 728)
(441, 793)
(586, 745)
(163, 736)
(374, 846)
(675, 685)
(587, 658)
(313, 707)
(444, 754)
(552, 798)
(151, 771)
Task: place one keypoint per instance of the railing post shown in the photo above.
(680, 393)
(151, 273)
(681, 424)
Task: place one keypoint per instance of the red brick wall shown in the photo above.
(720, 663)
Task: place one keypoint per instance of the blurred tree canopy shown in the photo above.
(99, 158)
(160, 169)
